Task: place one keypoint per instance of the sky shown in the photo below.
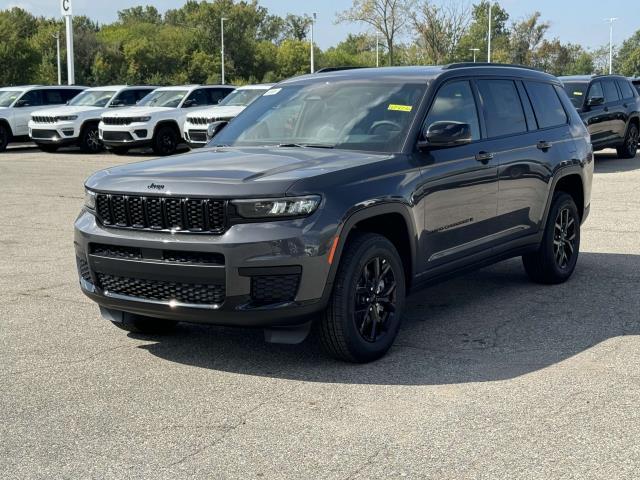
(576, 21)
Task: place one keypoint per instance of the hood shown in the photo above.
(229, 172)
(136, 111)
(217, 112)
(67, 110)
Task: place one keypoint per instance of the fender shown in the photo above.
(561, 173)
(171, 123)
(4, 122)
(88, 121)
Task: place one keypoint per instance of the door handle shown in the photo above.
(544, 145)
(606, 109)
(484, 157)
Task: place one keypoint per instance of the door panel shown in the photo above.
(597, 117)
(617, 113)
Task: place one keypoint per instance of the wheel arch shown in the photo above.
(5, 123)
(569, 180)
(168, 123)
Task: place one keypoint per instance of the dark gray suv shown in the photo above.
(333, 195)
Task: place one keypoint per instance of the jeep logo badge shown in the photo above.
(155, 186)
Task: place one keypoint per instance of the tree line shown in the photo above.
(183, 45)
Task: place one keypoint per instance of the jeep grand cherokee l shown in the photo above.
(610, 107)
(77, 122)
(333, 195)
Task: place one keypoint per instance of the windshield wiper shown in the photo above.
(306, 145)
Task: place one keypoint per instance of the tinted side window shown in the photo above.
(455, 102)
(143, 92)
(595, 90)
(546, 104)
(610, 91)
(128, 97)
(32, 98)
(68, 93)
(625, 88)
(502, 107)
(198, 98)
(217, 94)
(53, 97)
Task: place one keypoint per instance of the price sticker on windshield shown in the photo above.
(400, 108)
(273, 91)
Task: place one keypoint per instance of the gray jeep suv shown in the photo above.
(335, 194)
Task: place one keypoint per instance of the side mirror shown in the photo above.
(214, 128)
(595, 101)
(22, 103)
(445, 134)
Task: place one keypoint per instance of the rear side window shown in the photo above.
(610, 91)
(546, 104)
(217, 94)
(454, 102)
(595, 90)
(502, 107)
(625, 88)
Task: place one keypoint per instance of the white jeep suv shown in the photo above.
(77, 122)
(197, 123)
(157, 120)
(17, 104)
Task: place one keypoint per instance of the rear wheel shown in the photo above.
(557, 255)
(165, 141)
(630, 146)
(120, 150)
(365, 309)
(45, 147)
(90, 139)
(140, 324)
(5, 137)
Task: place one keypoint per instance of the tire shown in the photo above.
(90, 140)
(5, 137)
(630, 146)
(140, 324)
(556, 257)
(357, 327)
(165, 141)
(119, 150)
(48, 148)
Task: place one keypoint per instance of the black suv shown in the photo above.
(333, 195)
(610, 107)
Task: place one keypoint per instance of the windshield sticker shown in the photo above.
(273, 91)
(400, 108)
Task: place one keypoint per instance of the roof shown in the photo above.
(585, 78)
(27, 87)
(259, 86)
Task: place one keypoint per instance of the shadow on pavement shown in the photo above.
(608, 162)
(489, 325)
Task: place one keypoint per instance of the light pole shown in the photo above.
(222, 45)
(489, 42)
(610, 20)
(313, 20)
(474, 50)
(57, 37)
(377, 49)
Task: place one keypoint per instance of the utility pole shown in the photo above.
(474, 50)
(377, 49)
(57, 37)
(610, 20)
(222, 45)
(313, 20)
(67, 13)
(489, 42)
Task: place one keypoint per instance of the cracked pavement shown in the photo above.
(491, 377)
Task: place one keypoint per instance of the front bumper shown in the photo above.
(59, 133)
(133, 135)
(196, 135)
(282, 250)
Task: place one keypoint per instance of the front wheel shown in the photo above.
(630, 146)
(165, 141)
(5, 137)
(90, 139)
(365, 309)
(557, 255)
(140, 324)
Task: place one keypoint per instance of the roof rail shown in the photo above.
(485, 64)
(336, 69)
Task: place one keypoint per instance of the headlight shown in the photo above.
(277, 207)
(90, 199)
(140, 119)
(66, 118)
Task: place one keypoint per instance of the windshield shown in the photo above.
(342, 114)
(576, 92)
(92, 98)
(7, 97)
(163, 98)
(241, 98)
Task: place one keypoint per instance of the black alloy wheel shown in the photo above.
(5, 136)
(630, 146)
(564, 238)
(90, 141)
(165, 141)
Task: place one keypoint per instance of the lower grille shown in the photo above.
(116, 136)
(193, 257)
(115, 251)
(198, 135)
(267, 289)
(44, 134)
(193, 293)
(83, 269)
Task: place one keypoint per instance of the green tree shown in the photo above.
(628, 58)
(526, 36)
(477, 34)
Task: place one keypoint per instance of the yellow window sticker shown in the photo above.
(578, 94)
(400, 108)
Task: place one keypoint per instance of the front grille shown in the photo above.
(83, 269)
(44, 134)
(117, 120)
(115, 251)
(43, 119)
(196, 215)
(116, 136)
(197, 135)
(206, 120)
(193, 293)
(267, 289)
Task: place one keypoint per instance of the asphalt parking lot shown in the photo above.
(491, 376)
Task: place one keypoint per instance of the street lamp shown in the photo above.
(57, 37)
(610, 20)
(474, 50)
(313, 20)
(377, 49)
(489, 42)
(222, 45)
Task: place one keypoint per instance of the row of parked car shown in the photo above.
(124, 117)
(119, 117)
